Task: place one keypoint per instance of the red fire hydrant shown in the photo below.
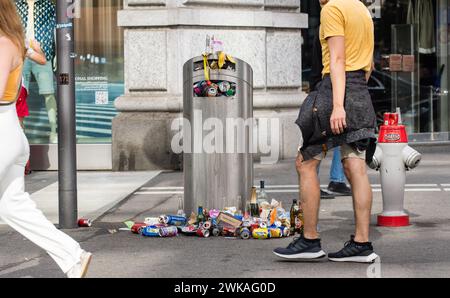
(393, 158)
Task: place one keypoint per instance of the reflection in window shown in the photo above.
(99, 76)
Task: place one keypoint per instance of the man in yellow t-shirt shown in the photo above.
(344, 115)
(351, 20)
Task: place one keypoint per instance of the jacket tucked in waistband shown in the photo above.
(315, 113)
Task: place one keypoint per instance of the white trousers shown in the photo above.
(16, 207)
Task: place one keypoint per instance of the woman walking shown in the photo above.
(16, 207)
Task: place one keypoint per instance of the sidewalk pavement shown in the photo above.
(97, 191)
(420, 250)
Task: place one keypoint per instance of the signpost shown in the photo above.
(67, 159)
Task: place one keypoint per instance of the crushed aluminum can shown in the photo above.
(261, 233)
(212, 91)
(168, 232)
(84, 223)
(207, 225)
(189, 230)
(175, 220)
(224, 86)
(216, 232)
(203, 233)
(150, 231)
(245, 233)
(275, 233)
(137, 227)
(161, 219)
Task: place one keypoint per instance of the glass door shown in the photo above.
(412, 65)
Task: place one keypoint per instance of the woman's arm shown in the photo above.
(35, 53)
(6, 63)
(336, 44)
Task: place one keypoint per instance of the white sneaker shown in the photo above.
(80, 269)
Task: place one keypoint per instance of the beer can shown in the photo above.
(261, 233)
(150, 231)
(84, 223)
(275, 233)
(137, 227)
(216, 232)
(224, 86)
(168, 232)
(175, 220)
(203, 233)
(245, 233)
(207, 225)
(212, 91)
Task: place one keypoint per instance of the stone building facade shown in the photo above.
(161, 35)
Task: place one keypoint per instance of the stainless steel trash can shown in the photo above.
(215, 178)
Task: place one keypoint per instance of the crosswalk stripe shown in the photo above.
(178, 190)
(158, 193)
(423, 189)
(163, 188)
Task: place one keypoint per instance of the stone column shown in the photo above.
(161, 35)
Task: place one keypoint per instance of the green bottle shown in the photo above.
(200, 216)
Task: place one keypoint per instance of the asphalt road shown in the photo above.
(420, 250)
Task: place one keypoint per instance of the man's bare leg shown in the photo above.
(356, 172)
(309, 195)
(309, 246)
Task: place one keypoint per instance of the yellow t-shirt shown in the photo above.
(351, 19)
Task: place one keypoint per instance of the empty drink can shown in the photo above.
(137, 227)
(224, 86)
(212, 91)
(84, 223)
(216, 232)
(175, 220)
(168, 232)
(150, 231)
(207, 225)
(261, 233)
(203, 233)
(245, 233)
(275, 233)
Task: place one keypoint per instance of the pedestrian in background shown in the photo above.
(34, 52)
(16, 207)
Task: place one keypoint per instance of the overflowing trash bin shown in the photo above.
(219, 196)
(218, 103)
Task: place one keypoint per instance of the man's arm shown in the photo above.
(369, 73)
(336, 44)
